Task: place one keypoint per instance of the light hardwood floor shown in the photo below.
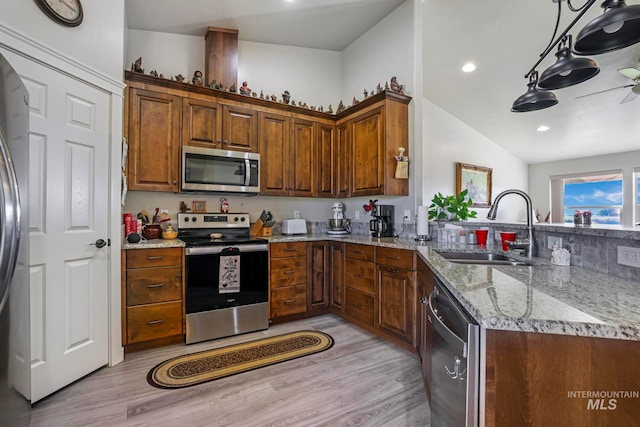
(361, 381)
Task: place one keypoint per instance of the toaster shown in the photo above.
(294, 226)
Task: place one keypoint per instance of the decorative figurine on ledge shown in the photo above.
(378, 89)
(355, 101)
(286, 97)
(180, 78)
(274, 98)
(396, 87)
(153, 73)
(366, 94)
(183, 207)
(197, 78)
(261, 95)
(136, 67)
(233, 88)
(330, 110)
(245, 89)
(340, 107)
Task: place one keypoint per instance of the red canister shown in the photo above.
(127, 220)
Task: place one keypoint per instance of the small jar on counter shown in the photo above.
(472, 239)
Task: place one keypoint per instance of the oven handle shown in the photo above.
(214, 250)
(447, 334)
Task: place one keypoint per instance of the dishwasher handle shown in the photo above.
(447, 334)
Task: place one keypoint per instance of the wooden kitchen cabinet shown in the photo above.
(288, 279)
(396, 292)
(337, 268)
(326, 160)
(210, 124)
(359, 283)
(153, 296)
(154, 140)
(288, 156)
(319, 273)
(424, 328)
(374, 133)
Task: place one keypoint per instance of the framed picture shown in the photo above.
(199, 206)
(477, 181)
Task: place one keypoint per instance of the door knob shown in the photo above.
(99, 243)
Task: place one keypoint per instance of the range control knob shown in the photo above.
(194, 219)
(243, 219)
(236, 219)
(186, 219)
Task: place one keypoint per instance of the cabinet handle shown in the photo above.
(357, 275)
(357, 251)
(155, 322)
(359, 307)
(290, 301)
(175, 181)
(289, 249)
(393, 257)
(158, 285)
(392, 270)
(154, 258)
(289, 272)
(423, 300)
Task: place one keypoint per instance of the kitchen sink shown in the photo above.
(481, 258)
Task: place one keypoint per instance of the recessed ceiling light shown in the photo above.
(543, 128)
(469, 67)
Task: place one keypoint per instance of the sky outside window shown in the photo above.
(602, 198)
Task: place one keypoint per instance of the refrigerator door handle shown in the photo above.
(9, 220)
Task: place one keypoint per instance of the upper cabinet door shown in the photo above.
(154, 141)
(201, 123)
(274, 155)
(342, 160)
(240, 129)
(302, 149)
(325, 160)
(367, 173)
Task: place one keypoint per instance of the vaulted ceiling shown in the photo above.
(502, 38)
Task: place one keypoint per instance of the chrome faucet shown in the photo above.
(528, 245)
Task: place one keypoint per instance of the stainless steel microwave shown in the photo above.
(220, 171)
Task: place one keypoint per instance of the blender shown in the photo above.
(338, 225)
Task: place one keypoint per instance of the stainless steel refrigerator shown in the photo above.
(15, 345)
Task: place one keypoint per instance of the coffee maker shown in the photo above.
(382, 223)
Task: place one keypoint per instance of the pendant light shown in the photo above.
(617, 27)
(568, 70)
(534, 99)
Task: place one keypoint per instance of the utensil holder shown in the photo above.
(259, 228)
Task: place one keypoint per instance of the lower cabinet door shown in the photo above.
(359, 306)
(152, 321)
(288, 300)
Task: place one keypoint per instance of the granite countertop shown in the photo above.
(154, 244)
(541, 298)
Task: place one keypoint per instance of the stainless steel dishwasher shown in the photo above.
(454, 363)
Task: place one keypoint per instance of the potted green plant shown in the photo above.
(451, 208)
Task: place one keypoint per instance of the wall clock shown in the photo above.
(65, 12)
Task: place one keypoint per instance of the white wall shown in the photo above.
(97, 43)
(310, 75)
(448, 141)
(539, 174)
(169, 54)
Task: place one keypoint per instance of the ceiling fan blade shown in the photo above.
(602, 91)
(632, 73)
(630, 97)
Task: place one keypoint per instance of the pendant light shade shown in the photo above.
(616, 28)
(534, 99)
(568, 70)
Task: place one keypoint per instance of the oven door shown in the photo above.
(204, 291)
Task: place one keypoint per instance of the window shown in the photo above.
(599, 192)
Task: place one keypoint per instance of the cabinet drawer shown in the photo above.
(289, 249)
(362, 252)
(360, 275)
(145, 286)
(145, 258)
(288, 300)
(399, 258)
(149, 322)
(288, 272)
(359, 306)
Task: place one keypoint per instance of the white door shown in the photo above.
(69, 200)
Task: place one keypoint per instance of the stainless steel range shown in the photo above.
(227, 273)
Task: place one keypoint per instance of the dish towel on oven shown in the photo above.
(229, 274)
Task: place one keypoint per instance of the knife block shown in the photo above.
(259, 229)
